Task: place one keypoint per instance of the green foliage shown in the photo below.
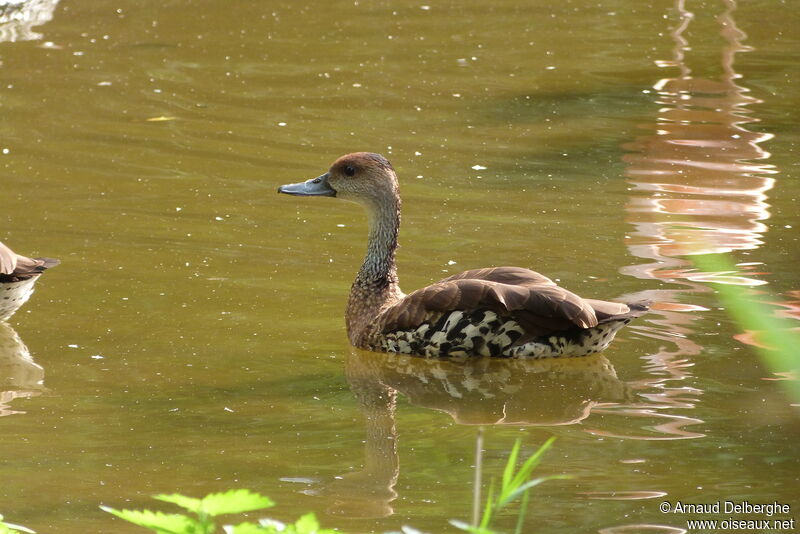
(164, 523)
(203, 511)
(307, 524)
(10, 528)
(514, 484)
(783, 355)
(230, 502)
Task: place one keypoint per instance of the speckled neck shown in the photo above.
(376, 286)
(379, 266)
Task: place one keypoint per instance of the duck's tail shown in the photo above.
(46, 263)
(635, 309)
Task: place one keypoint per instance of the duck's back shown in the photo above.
(501, 312)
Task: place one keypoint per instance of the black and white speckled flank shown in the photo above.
(13, 295)
(483, 333)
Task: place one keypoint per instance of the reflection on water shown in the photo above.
(243, 377)
(701, 173)
(642, 528)
(20, 376)
(788, 308)
(19, 17)
(623, 495)
(484, 391)
(700, 182)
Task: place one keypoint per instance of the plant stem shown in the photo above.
(476, 493)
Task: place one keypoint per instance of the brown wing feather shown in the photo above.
(533, 300)
(12, 263)
(8, 260)
(505, 275)
(604, 308)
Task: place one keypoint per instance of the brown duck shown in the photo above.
(17, 276)
(497, 311)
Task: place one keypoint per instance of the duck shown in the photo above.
(506, 312)
(18, 274)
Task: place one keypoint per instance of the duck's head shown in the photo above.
(362, 177)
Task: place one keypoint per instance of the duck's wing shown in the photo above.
(535, 302)
(12, 263)
(516, 276)
(8, 260)
(521, 277)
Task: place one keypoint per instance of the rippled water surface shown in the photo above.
(193, 340)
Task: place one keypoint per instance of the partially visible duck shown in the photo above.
(17, 276)
(497, 311)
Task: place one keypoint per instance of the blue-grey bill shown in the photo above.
(316, 187)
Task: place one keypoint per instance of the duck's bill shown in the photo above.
(316, 187)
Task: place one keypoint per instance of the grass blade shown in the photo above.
(488, 511)
(530, 464)
(527, 486)
(523, 508)
(508, 472)
(751, 314)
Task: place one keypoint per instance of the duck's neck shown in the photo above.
(379, 268)
(376, 286)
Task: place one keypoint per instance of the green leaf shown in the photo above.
(273, 524)
(160, 522)
(189, 503)
(523, 508)
(234, 502)
(508, 472)
(530, 464)
(526, 486)
(511, 489)
(213, 504)
(488, 511)
(10, 528)
(751, 313)
(307, 524)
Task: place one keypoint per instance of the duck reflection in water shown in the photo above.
(20, 376)
(18, 18)
(481, 391)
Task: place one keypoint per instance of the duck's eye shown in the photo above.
(349, 170)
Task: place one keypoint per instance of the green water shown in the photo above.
(193, 339)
